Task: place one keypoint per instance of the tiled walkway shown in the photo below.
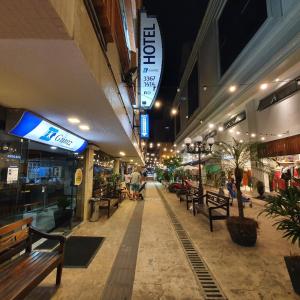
(161, 268)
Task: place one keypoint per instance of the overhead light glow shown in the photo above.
(211, 125)
(165, 149)
(253, 135)
(74, 120)
(221, 128)
(174, 111)
(158, 144)
(131, 160)
(84, 127)
(263, 86)
(157, 104)
(231, 130)
(238, 133)
(279, 135)
(262, 138)
(122, 153)
(277, 79)
(232, 88)
(53, 147)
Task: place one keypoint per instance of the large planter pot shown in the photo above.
(293, 266)
(242, 231)
(62, 217)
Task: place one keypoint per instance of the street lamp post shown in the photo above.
(199, 147)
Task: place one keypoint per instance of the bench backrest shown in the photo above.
(14, 238)
(217, 199)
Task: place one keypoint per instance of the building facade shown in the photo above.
(71, 63)
(242, 81)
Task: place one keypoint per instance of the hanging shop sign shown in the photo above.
(33, 127)
(144, 126)
(150, 61)
(78, 177)
(235, 120)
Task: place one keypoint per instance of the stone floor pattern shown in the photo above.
(161, 268)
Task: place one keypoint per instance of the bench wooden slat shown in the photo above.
(16, 225)
(8, 241)
(33, 270)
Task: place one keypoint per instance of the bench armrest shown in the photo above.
(224, 205)
(60, 238)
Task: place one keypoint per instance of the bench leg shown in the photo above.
(108, 211)
(58, 273)
(194, 208)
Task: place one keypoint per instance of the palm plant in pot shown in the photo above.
(285, 207)
(236, 156)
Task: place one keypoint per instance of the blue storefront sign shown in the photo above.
(33, 127)
(144, 123)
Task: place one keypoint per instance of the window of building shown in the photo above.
(124, 22)
(193, 91)
(238, 23)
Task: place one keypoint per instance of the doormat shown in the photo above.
(47, 245)
(80, 250)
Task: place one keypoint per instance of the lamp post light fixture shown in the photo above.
(200, 148)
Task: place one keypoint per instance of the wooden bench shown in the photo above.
(21, 272)
(191, 193)
(213, 206)
(107, 202)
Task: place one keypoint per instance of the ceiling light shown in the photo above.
(143, 144)
(211, 125)
(221, 128)
(186, 116)
(277, 79)
(84, 127)
(204, 88)
(279, 135)
(231, 130)
(158, 144)
(263, 86)
(253, 135)
(131, 160)
(165, 149)
(122, 153)
(174, 145)
(53, 147)
(74, 120)
(238, 133)
(262, 138)
(157, 104)
(232, 88)
(174, 111)
(241, 141)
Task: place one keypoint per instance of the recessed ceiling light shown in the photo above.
(279, 135)
(158, 144)
(263, 86)
(238, 133)
(253, 135)
(211, 125)
(74, 120)
(84, 127)
(232, 88)
(262, 138)
(53, 147)
(241, 141)
(157, 104)
(231, 130)
(131, 160)
(277, 79)
(174, 111)
(221, 128)
(122, 153)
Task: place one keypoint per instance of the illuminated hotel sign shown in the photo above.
(144, 126)
(150, 61)
(35, 128)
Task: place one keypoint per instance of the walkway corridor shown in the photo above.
(143, 257)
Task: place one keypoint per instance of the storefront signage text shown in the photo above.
(150, 60)
(34, 128)
(235, 120)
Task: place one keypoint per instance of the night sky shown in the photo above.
(179, 23)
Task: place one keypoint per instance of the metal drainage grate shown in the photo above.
(211, 289)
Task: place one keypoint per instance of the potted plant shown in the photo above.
(285, 207)
(63, 215)
(236, 156)
(260, 189)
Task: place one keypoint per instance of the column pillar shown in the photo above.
(87, 183)
(116, 169)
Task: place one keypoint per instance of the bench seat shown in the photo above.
(19, 276)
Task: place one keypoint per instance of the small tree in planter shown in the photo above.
(236, 156)
(63, 215)
(285, 207)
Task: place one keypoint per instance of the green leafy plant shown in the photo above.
(286, 207)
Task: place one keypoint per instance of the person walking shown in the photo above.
(127, 179)
(135, 183)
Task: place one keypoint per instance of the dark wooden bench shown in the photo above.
(213, 206)
(108, 201)
(188, 196)
(21, 272)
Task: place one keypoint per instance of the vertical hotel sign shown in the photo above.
(150, 60)
(144, 126)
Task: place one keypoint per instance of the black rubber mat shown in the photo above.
(80, 250)
(47, 245)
